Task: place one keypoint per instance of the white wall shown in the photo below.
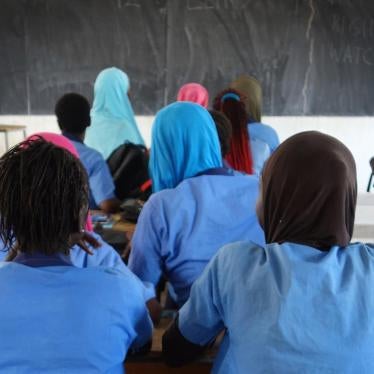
(356, 132)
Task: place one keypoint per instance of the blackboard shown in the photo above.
(313, 57)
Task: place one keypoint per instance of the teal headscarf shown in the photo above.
(112, 118)
(184, 143)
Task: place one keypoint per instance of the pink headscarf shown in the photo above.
(65, 143)
(195, 93)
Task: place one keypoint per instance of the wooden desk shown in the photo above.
(152, 363)
(6, 129)
(122, 225)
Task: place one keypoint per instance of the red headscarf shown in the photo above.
(195, 93)
(62, 142)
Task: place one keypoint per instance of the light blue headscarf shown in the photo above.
(184, 143)
(112, 117)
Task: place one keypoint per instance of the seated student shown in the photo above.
(303, 303)
(91, 250)
(197, 206)
(56, 317)
(194, 93)
(73, 117)
(264, 139)
(113, 119)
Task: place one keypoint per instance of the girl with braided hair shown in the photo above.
(55, 316)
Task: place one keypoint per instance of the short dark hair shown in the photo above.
(43, 197)
(224, 130)
(73, 113)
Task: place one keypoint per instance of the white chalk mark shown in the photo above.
(128, 3)
(28, 93)
(311, 18)
(310, 56)
(191, 54)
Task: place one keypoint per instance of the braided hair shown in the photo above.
(43, 197)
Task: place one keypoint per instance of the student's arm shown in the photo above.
(273, 139)
(145, 259)
(102, 187)
(143, 329)
(110, 205)
(143, 324)
(199, 320)
(154, 310)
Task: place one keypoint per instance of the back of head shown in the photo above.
(230, 102)
(309, 192)
(194, 93)
(184, 143)
(251, 90)
(224, 130)
(43, 197)
(73, 113)
(110, 94)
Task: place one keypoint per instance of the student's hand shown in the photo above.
(154, 310)
(83, 239)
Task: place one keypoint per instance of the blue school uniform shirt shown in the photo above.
(63, 319)
(287, 308)
(104, 256)
(99, 177)
(180, 229)
(263, 140)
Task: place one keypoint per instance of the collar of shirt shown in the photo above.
(216, 171)
(38, 259)
(72, 137)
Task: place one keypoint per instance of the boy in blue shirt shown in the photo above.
(73, 117)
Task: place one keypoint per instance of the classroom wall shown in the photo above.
(356, 132)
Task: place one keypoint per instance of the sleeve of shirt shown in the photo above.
(199, 320)
(273, 139)
(101, 181)
(106, 256)
(143, 325)
(145, 258)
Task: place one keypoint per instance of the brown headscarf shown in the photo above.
(309, 192)
(250, 88)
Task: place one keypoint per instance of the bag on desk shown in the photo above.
(128, 165)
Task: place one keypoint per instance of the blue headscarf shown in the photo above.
(184, 143)
(112, 117)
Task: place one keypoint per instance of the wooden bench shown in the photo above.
(152, 363)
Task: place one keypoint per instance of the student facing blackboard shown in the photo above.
(303, 303)
(197, 206)
(56, 317)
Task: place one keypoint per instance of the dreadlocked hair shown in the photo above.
(230, 102)
(43, 197)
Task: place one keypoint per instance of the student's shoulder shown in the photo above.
(117, 282)
(362, 251)
(241, 254)
(93, 153)
(223, 184)
(259, 127)
(162, 198)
